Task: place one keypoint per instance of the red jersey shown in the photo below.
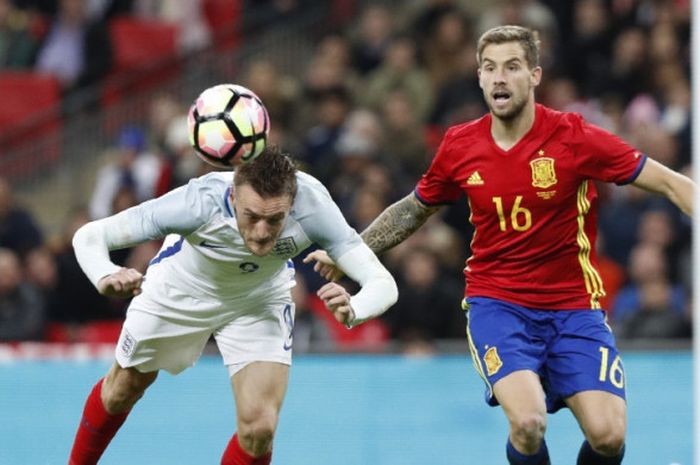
(533, 207)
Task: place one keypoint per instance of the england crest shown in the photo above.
(285, 247)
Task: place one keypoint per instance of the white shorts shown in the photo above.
(153, 340)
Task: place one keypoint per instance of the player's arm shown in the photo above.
(396, 223)
(92, 243)
(378, 290)
(180, 211)
(657, 178)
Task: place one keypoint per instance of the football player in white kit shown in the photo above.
(224, 270)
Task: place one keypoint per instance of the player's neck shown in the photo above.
(508, 132)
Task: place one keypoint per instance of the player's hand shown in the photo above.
(124, 283)
(325, 266)
(337, 300)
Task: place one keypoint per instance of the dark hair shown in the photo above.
(527, 38)
(270, 174)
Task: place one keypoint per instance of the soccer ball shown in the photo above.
(228, 125)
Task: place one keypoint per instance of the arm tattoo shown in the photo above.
(396, 223)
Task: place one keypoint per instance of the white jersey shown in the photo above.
(204, 253)
(205, 282)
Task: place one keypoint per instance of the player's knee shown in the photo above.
(528, 429)
(121, 390)
(607, 441)
(256, 429)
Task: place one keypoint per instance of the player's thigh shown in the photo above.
(263, 334)
(259, 389)
(504, 338)
(600, 414)
(521, 396)
(583, 358)
(150, 342)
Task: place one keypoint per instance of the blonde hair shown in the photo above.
(527, 38)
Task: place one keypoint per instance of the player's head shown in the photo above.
(262, 196)
(509, 71)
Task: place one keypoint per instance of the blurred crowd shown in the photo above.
(365, 117)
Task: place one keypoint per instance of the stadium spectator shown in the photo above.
(647, 271)
(22, 308)
(443, 45)
(459, 97)
(586, 54)
(131, 167)
(18, 229)
(279, 92)
(655, 318)
(319, 145)
(424, 311)
(77, 50)
(193, 30)
(224, 271)
(372, 37)
(77, 301)
(399, 72)
(17, 43)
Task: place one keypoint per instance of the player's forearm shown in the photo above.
(93, 241)
(91, 251)
(657, 178)
(680, 191)
(378, 289)
(396, 223)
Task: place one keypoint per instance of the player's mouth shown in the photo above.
(501, 97)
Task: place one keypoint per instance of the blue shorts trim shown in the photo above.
(571, 350)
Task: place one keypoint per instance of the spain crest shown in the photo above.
(543, 174)
(493, 361)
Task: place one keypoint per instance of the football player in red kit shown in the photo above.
(537, 333)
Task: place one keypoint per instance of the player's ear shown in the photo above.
(535, 76)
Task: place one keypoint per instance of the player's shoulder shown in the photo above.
(210, 190)
(308, 184)
(310, 191)
(469, 131)
(214, 182)
(562, 119)
(312, 199)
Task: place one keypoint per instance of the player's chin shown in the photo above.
(261, 249)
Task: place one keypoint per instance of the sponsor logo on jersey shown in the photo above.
(285, 247)
(209, 245)
(493, 361)
(475, 179)
(127, 343)
(248, 267)
(543, 174)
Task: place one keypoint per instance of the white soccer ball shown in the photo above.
(228, 124)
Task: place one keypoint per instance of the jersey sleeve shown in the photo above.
(602, 155)
(436, 186)
(180, 211)
(322, 220)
